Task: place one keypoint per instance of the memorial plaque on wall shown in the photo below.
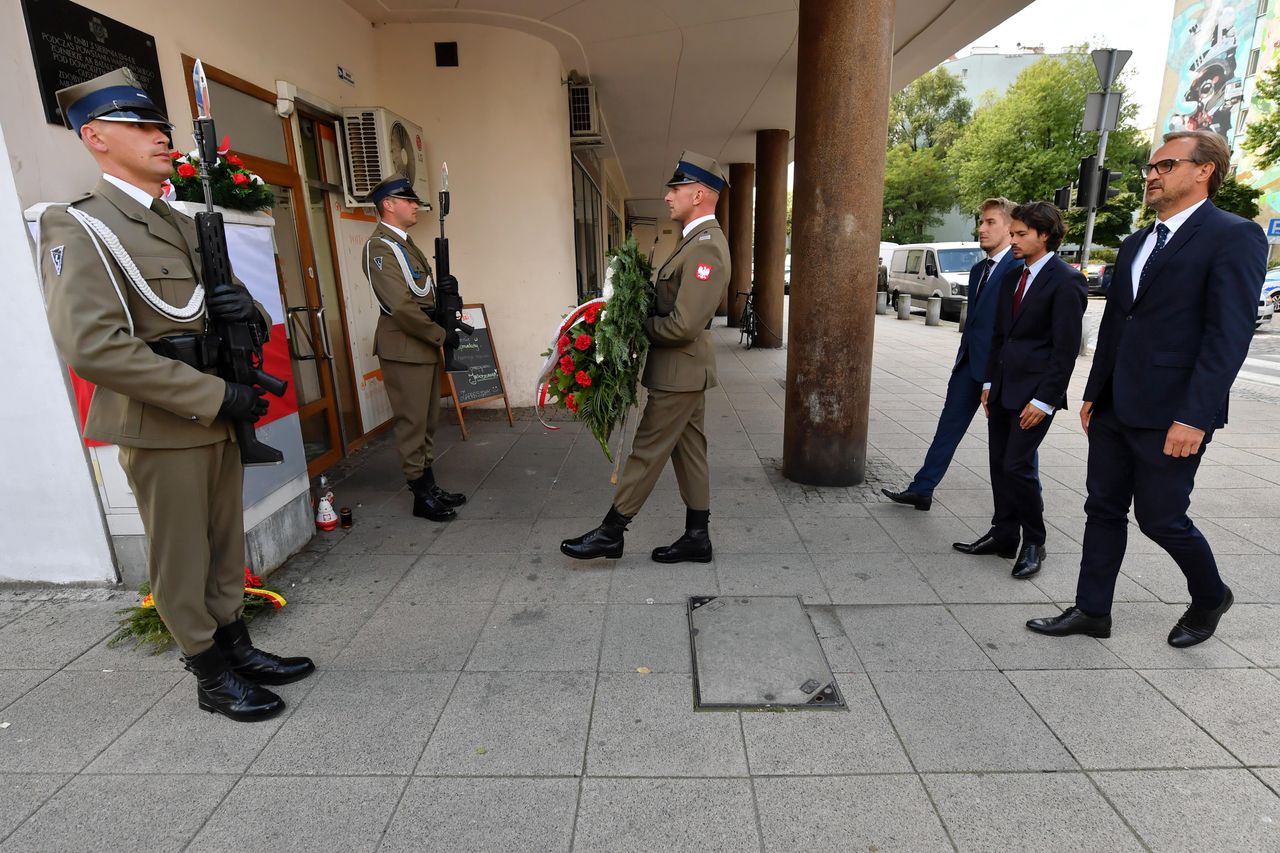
(72, 44)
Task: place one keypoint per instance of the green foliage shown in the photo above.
(1238, 198)
(1262, 137)
(600, 355)
(917, 190)
(1029, 142)
(930, 112)
(1111, 224)
(143, 627)
(234, 187)
(1101, 255)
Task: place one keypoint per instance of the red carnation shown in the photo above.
(583, 378)
(234, 160)
(566, 364)
(568, 401)
(239, 179)
(583, 342)
(564, 343)
(591, 314)
(174, 155)
(186, 170)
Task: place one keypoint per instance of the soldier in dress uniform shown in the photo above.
(408, 341)
(681, 366)
(126, 306)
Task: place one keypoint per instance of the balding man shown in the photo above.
(127, 310)
(681, 366)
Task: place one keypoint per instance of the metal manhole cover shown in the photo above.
(757, 652)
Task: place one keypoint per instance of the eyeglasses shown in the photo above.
(1163, 167)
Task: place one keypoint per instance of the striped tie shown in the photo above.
(1162, 234)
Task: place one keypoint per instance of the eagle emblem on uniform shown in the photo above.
(377, 262)
(55, 255)
(703, 272)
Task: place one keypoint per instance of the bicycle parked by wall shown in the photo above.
(747, 322)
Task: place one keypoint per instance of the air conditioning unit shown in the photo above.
(584, 113)
(380, 143)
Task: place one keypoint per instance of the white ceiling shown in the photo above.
(698, 74)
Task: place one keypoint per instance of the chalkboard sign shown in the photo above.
(478, 378)
(72, 44)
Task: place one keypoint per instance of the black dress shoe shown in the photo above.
(988, 544)
(694, 546)
(254, 664)
(604, 541)
(910, 498)
(1030, 559)
(219, 690)
(1198, 625)
(426, 506)
(1072, 621)
(449, 499)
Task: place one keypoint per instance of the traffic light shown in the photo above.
(1062, 197)
(1105, 191)
(1087, 187)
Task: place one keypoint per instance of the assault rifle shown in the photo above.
(239, 343)
(448, 299)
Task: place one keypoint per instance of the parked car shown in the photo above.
(1271, 288)
(1098, 286)
(918, 271)
(1267, 301)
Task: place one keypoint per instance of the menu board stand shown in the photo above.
(478, 378)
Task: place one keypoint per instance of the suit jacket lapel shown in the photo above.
(1179, 239)
(1122, 278)
(1042, 281)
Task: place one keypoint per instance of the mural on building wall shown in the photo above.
(1267, 180)
(1208, 52)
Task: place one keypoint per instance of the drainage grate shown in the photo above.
(758, 652)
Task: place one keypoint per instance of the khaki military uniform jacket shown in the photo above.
(405, 332)
(688, 288)
(102, 329)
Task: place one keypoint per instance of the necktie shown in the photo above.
(165, 212)
(987, 266)
(1162, 234)
(1022, 289)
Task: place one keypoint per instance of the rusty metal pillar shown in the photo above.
(741, 218)
(771, 233)
(842, 105)
(722, 216)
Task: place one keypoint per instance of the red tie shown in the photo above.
(1022, 288)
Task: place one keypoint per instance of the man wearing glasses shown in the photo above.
(1177, 327)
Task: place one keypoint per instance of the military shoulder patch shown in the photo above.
(706, 235)
(55, 255)
(703, 272)
(377, 262)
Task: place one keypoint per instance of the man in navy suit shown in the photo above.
(964, 390)
(1177, 327)
(1033, 351)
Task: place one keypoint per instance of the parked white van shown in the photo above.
(922, 270)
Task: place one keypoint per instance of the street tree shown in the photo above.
(930, 112)
(917, 190)
(1262, 138)
(1030, 141)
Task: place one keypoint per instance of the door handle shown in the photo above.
(303, 331)
(324, 334)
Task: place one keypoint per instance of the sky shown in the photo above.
(1138, 25)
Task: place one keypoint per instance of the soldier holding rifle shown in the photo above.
(126, 293)
(408, 340)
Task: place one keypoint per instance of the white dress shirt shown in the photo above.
(399, 232)
(1032, 272)
(695, 223)
(1144, 251)
(138, 194)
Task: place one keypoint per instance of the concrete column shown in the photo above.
(842, 104)
(741, 216)
(722, 216)
(771, 232)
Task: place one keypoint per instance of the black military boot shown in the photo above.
(219, 690)
(449, 499)
(604, 541)
(254, 664)
(427, 505)
(694, 546)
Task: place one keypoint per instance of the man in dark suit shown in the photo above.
(1033, 351)
(964, 389)
(1158, 389)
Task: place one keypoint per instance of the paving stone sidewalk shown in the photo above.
(478, 691)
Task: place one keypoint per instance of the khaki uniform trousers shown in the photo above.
(191, 502)
(414, 391)
(671, 426)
